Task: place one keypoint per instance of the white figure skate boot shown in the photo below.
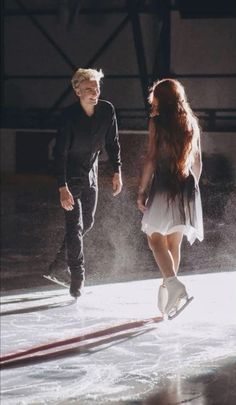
(177, 297)
(162, 298)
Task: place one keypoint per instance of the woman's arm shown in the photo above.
(149, 167)
(197, 163)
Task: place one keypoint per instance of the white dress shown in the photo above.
(181, 214)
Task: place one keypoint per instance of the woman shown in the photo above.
(169, 194)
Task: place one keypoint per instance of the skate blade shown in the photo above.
(180, 309)
(54, 280)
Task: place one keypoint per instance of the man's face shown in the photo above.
(88, 91)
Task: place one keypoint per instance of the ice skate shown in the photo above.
(76, 287)
(178, 298)
(60, 277)
(162, 298)
(56, 280)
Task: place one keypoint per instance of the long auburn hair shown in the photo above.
(177, 126)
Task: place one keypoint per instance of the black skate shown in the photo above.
(58, 271)
(56, 280)
(60, 277)
(76, 287)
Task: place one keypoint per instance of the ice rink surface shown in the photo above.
(189, 360)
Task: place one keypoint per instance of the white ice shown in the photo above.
(125, 367)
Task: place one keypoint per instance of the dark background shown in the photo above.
(134, 42)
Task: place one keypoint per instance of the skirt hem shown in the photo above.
(191, 233)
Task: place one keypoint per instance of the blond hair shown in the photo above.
(86, 74)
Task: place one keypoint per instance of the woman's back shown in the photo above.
(174, 148)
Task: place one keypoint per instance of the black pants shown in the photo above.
(77, 223)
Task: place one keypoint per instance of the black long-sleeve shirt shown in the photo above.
(81, 138)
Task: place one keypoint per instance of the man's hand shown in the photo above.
(117, 184)
(66, 198)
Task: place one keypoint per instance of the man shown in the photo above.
(87, 127)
